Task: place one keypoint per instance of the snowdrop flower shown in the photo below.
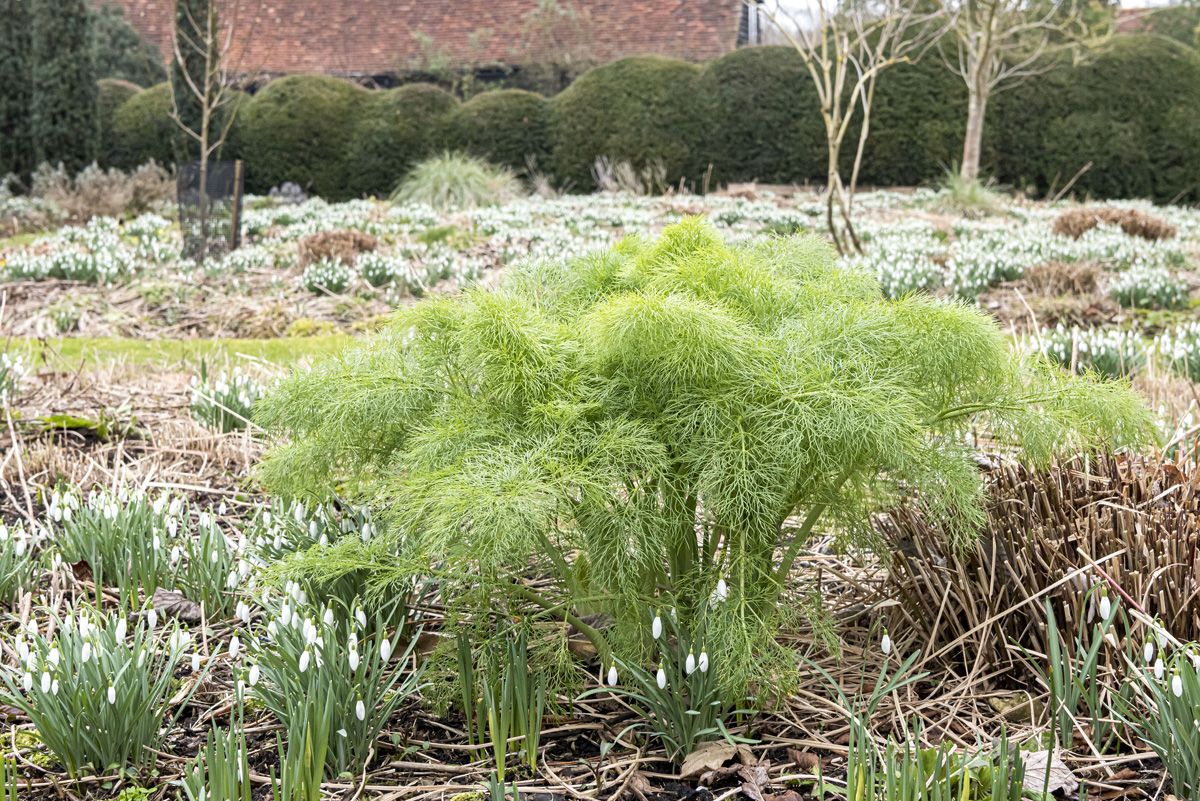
(885, 644)
(254, 674)
(304, 660)
(353, 658)
(152, 618)
(176, 505)
(56, 657)
(661, 678)
(235, 645)
(1159, 668)
(87, 652)
(312, 529)
(324, 541)
(243, 612)
(1105, 607)
(722, 593)
(112, 694)
(385, 650)
(221, 509)
(45, 684)
(196, 663)
(122, 628)
(54, 687)
(27, 682)
(328, 618)
(1148, 652)
(360, 710)
(702, 663)
(310, 632)
(612, 675)
(656, 628)
(689, 664)
(1177, 685)
(285, 614)
(361, 617)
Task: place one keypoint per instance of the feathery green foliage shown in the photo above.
(642, 423)
(62, 102)
(453, 181)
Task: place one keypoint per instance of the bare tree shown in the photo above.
(1001, 42)
(845, 45)
(202, 92)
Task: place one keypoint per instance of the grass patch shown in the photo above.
(72, 352)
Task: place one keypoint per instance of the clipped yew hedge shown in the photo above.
(395, 129)
(1132, 112)
(643, 110)
(298, 129)
(508, 127)
(142, 129)
(111, 94)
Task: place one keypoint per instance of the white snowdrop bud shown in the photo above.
(176, 555)
(54, 687)
(324, 541)
(305, 658)
(385, 650)
(45, 684)
(156, 543)
(243, 612)
(361, 617)
(152, 619)
(122, 627)
(235, 645)
(360, 710)
(612, 675)
(87, 652)
(254, 674)
(702, 663)
(885, 644)
(1159, 668)
(689, 664)
(1105, 607)
(221, 509)
(1148, 652)
(328, 618)
(27, 682)
(656, 627)
(1177, 685)
(722, 590)
(112, 694)
(353, 658)
(56, 656)
(661, 678)
(195, 663)
(312, 529)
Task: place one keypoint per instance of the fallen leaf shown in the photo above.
(1038, 764)
(707, 757)
(173, 604)
(710, 758)
(755, 780)
(803, 760)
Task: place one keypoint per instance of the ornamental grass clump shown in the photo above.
(453, 182)
(643, 424)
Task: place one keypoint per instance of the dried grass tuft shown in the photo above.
(1134, 525)
(343, 246)
(1076, 222)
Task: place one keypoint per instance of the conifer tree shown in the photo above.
(15, 145)
(63, 83)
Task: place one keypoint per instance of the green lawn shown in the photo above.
(71, 352)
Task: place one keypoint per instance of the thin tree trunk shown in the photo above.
(973, 139)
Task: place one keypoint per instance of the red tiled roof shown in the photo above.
(377, 36)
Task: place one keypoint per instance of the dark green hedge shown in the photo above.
(395, 129)
(506, 127)
(111, 94)
(1133, 112)
(297, 129)
(641, 110)
(142, 129)
(767, 123)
